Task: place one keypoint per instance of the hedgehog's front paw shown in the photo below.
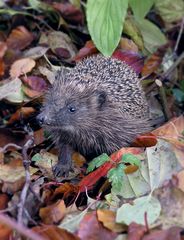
(61, 170)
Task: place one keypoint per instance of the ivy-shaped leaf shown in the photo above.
(115, 176)
(105, 20)
(97, 162)
(130, 158)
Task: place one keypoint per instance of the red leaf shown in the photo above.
(70, 12)
(91, 228)
(92, 178)
(146, 140)
(133, 59)
(136, 231)
(88, 49)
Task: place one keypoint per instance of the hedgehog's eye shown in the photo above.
(71, 109)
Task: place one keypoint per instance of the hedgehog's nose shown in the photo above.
(43, 119)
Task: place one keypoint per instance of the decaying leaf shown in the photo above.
(12, 179)
(12, 91)
(108, 218)
(19, 38)
(135, 212)
(53, 213)
(21, 67)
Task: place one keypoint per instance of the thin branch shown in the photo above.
(179, 36)
(163, 99)
(26, 163)
(20, 228)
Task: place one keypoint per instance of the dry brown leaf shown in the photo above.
(30, 92)
(128, 44)
(53, 213)
(2, 67)
(12, 179)
(19, 38)
(3, 201)
(53, 232)
(23, 112)
(22, 66)
(78, 159)
(3, 48)
(5, 232)
(108, 217)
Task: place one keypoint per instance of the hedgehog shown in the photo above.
(96, 107)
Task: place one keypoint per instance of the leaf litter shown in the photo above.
(137, 192)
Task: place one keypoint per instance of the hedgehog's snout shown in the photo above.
(43, 119)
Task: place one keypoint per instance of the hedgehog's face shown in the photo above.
(72, 109)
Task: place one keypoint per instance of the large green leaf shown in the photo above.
(135, 212)
(140, 7)
(152, 36)
(105, 23)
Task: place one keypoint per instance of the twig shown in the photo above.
(146, 222)
(175, 64)
(20, 228)
(179, 36)
(4, 149)
(26, 164)
(163, 99)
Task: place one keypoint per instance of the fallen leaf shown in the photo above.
(19, 38)
(58, 39)
(128, 45)
(133, 59)
(70, 12)
(136, 231)
(45, 161)
(35, 53)
(65, 190)
(90, 228)
(168, 234)
(35, 83)
(54, 232)
(2, 67)
(88, 49)
(21, 67)
(6, 233)
(12, 91)
(108, 218)
(135, 212)
(154, 61)
(4, 199)
(53, 213)
(3, 48)
(31, 93)
(12, 179)
(22, 112)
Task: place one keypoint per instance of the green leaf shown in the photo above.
(152, 35)
(130, 28)
(115, 176)
(169, 10)
(130, 158)
(105, 20)
(140, 8)
(97, 162)
(135, 212)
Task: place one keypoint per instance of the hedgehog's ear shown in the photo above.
(101, 98)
